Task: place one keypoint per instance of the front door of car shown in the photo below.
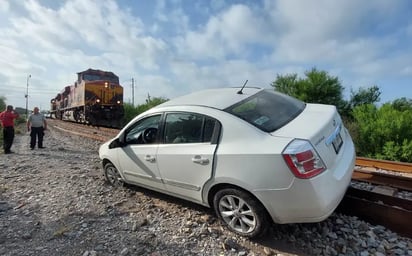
(185, 159)
(137, 157)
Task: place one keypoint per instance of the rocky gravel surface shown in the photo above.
(54, 201)
(370, 187)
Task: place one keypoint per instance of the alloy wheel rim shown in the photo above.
(114, 177)
(237, 214)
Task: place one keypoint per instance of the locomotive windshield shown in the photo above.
(96, 77)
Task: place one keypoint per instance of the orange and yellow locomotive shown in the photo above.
(96, 98)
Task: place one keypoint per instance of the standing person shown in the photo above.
(7, 121)
(36, 124)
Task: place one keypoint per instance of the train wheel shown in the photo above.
(76, 116)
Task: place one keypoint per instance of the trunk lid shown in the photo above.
(323, 127)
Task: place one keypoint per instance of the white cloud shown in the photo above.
(227, 33)
(53, 45)
(319, 30)
(208, 44)
(4, 6)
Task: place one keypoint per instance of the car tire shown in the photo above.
(112, 175)
(241, 212)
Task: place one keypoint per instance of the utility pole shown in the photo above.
(133, 91)
(27, 96)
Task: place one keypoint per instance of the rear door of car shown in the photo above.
(185, 158)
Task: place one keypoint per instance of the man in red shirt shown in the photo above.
(7, 121)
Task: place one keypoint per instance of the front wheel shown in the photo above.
(241, 212)
(112, 175)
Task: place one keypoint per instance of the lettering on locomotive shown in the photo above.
(95, 98)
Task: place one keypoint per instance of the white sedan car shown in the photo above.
(253, 155)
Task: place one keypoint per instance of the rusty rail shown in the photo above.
(380, 206)
(391, 212)
(378, 178)
(384, 164)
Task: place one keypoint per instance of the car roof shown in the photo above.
(219, 98)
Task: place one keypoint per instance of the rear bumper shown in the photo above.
(311, 200)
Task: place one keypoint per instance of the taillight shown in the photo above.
(302, 159)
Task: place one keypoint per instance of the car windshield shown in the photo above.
(268, 110)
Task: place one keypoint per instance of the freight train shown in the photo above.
(95, 98)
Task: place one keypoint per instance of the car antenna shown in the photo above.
(240, 91)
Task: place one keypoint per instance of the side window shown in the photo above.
(209, 127)
(188, 128)
(143, 131)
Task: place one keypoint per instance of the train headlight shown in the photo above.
(98, 101)
(118, 102)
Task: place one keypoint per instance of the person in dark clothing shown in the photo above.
(36, 124)
(7, 122)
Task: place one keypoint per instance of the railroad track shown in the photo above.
(379, 205)
(96, 133)
(384, 165)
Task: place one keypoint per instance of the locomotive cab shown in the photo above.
(96, 98)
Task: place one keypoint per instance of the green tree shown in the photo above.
(316, 87)
(287, 84)
(131, 111)
(370, 95)
(384, 132)
(379, 132)
(151, 102)
(402, 104)
(2, 103)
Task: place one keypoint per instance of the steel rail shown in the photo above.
(378, 178)
(392, 212)
(384, 164)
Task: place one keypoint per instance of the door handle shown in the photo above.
(150, 158)
(200, 160)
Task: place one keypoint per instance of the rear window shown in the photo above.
(268, 110)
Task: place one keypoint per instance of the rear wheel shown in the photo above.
(112, 175)
(241, 212)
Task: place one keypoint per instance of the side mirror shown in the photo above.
(115, 143)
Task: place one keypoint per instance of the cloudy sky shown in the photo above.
(173, 47)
